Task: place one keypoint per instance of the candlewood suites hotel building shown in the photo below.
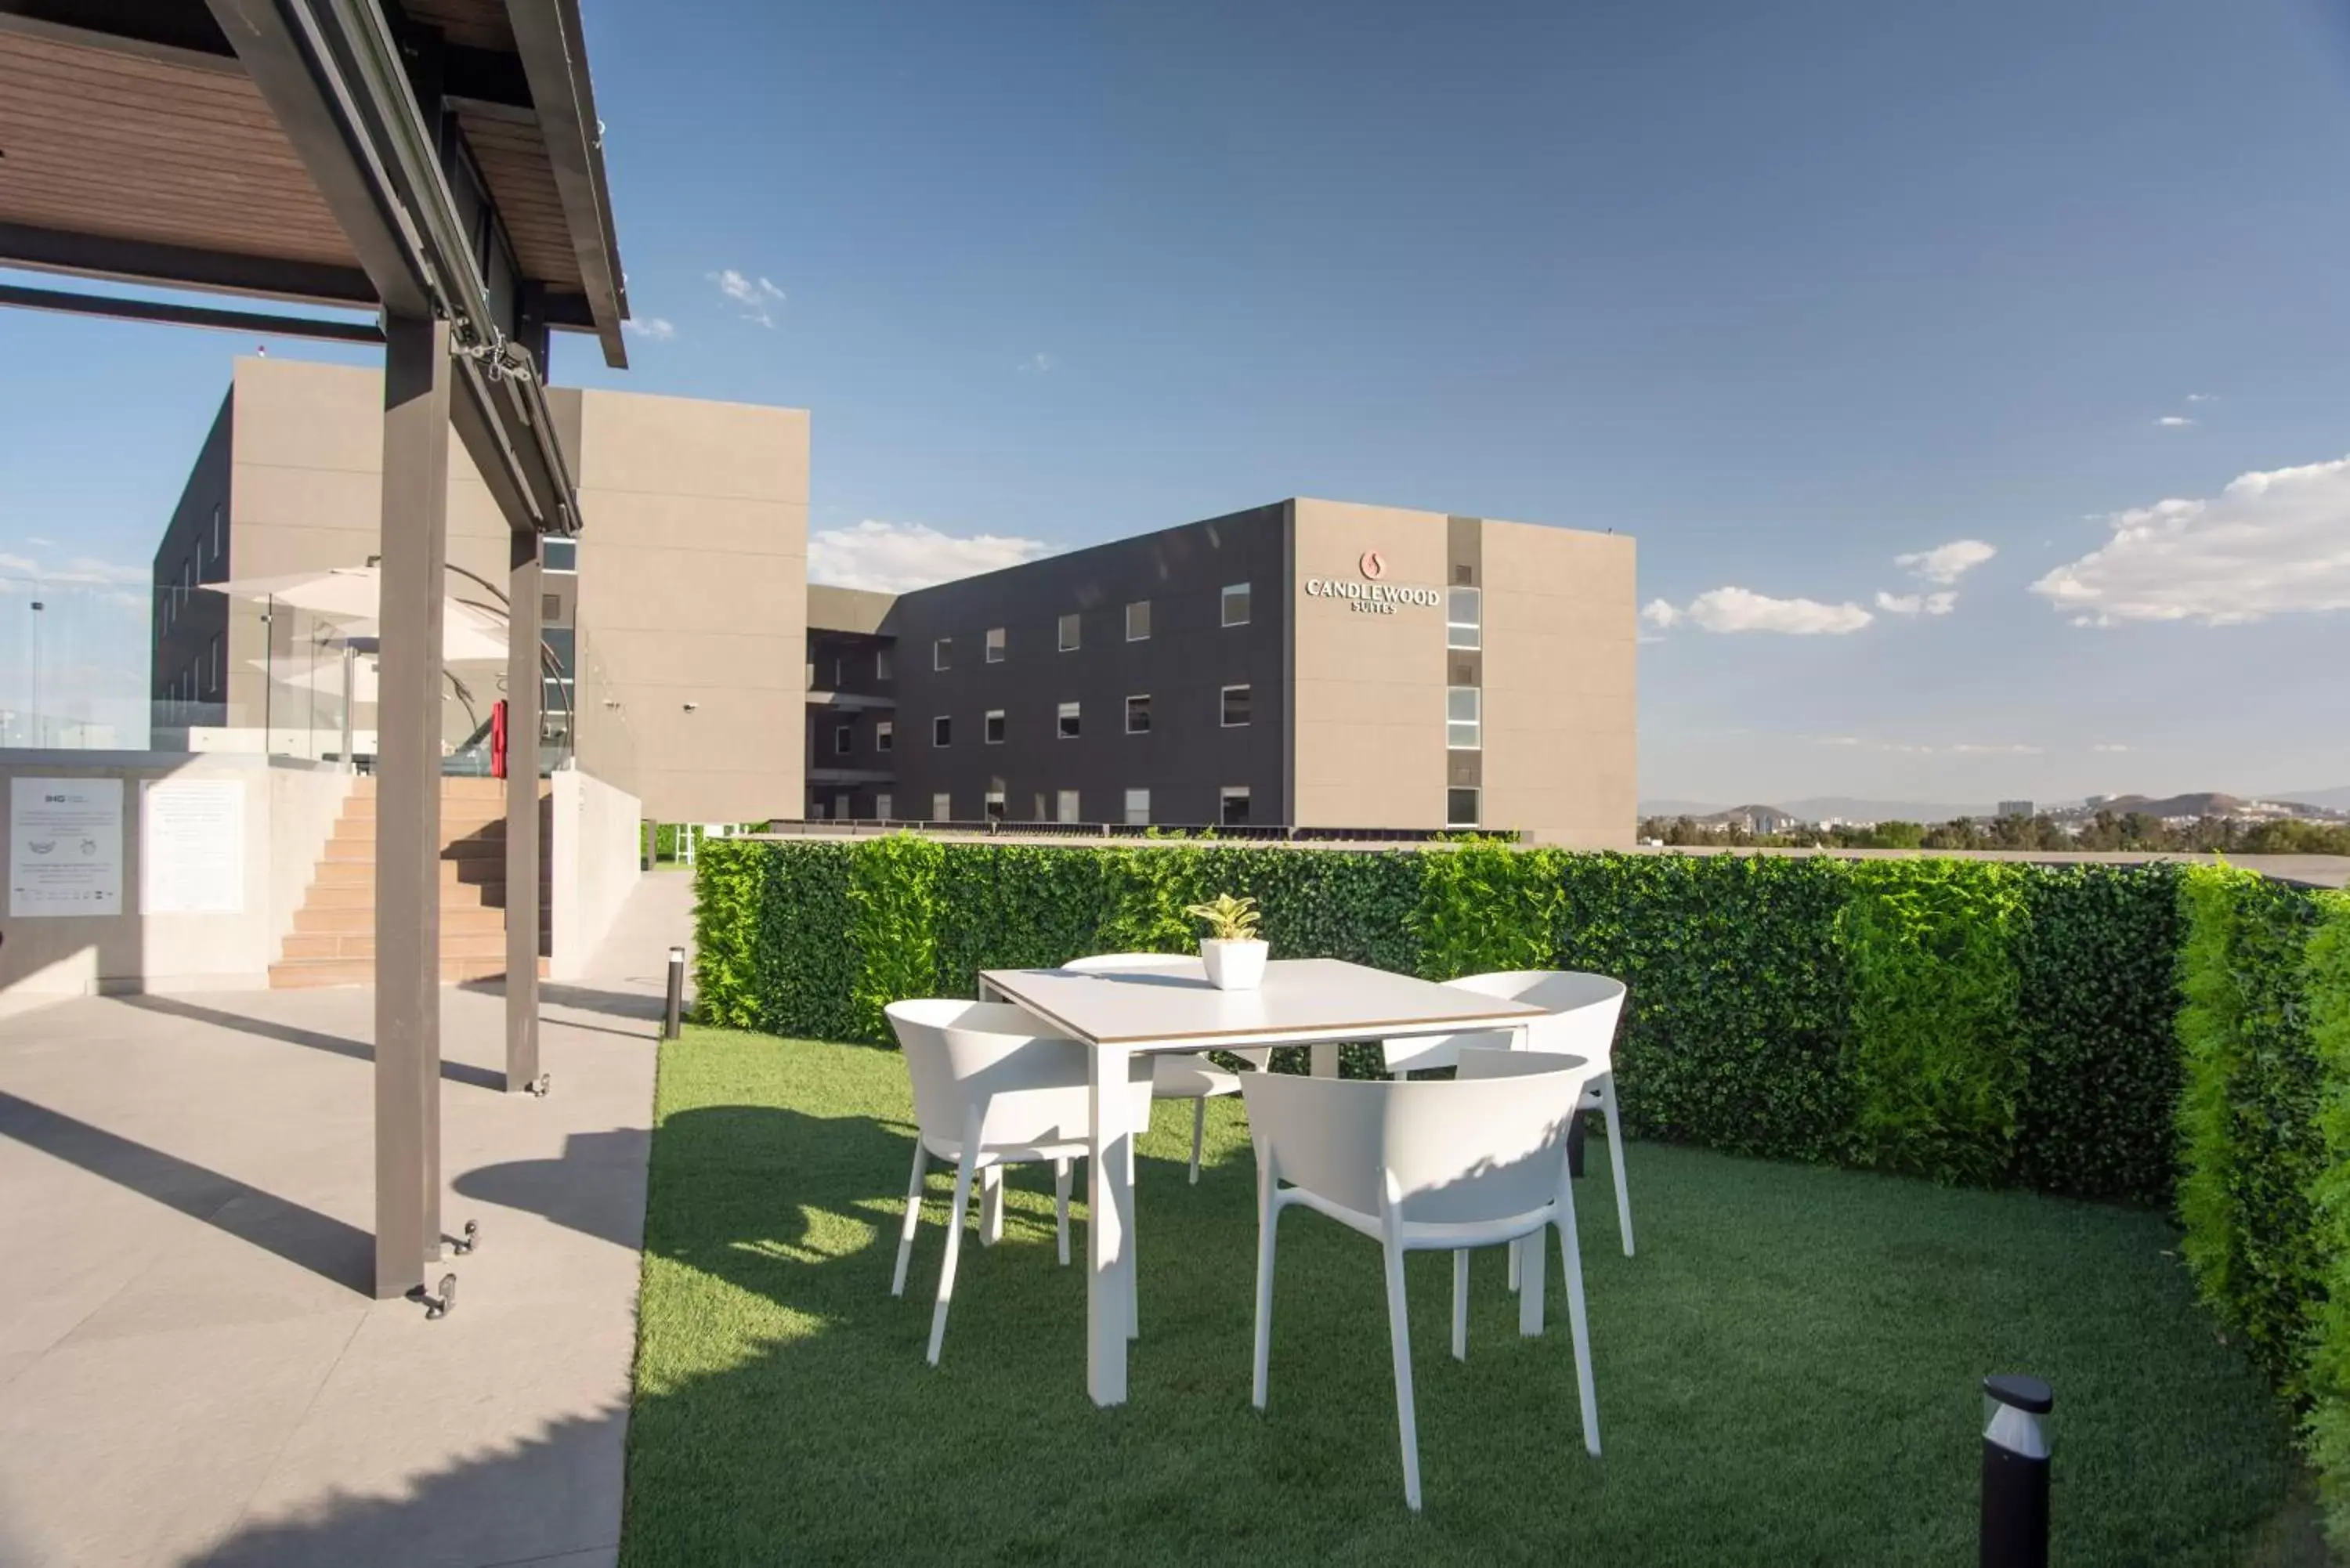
(1312, 663)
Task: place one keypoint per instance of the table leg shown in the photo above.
(1108, 1227)
(1325, 1060)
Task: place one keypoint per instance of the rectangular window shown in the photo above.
(1232, 806)
(882, 807)
(1137, 808)
(815, 810)
(1236, 706)
(558, 555)
(1460, 808)
(881, 664)
(842, 806)
(1065, 807)
(1138, 715)
(885, 738)
(1463, 719)
(942, 653)
(995, 645)
(1236, 603)
(550, 609)
(1137, 621)
(941, 730)
(213, 676)
(1465, 617)
(1069, 721)
(1068, 634)
(844, 737)
(994, 735)
(839, 671)
(996, 804)
(941, 808)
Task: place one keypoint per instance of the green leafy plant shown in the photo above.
(1228, 919)
(2327, 983)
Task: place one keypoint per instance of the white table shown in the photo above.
(1303, 1001)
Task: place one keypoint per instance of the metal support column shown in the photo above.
(524, 689)
(408, 802)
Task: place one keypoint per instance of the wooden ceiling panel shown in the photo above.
(100, 143)
(470, 24)
(522, 182)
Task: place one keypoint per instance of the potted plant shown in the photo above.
(1232, 950)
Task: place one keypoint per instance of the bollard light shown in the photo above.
(670, 1027)
(2015, 1471)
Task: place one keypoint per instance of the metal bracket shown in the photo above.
(538, 1086)
(439, 1306)
(462, 1245)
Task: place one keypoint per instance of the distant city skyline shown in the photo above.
(1976, 405)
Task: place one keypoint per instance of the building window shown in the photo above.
(844, 737)
(941, 730)
(996, 804)
(1236, 603)
(559, 554)
(1137, 621)
(1465, 617)
(212, 675)
(941, 808)
(885, 738)
(1065, 807)
(839, 671)
(550, 609)
(942, 653)
(1137, 808)
(1232, 806)
(1138, 715)
(1460, 808)
(994, 731)
(1068, 634)
(995, 645)
(1463, 719)
(1069, 721)
(815, 809)
(882, 807)
(217, 536)
(842, 807)
(1236, 706)
(881, 664)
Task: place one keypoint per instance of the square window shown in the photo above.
(1137, 621)
(995, 733)
(844, 737)
(550, 609)
(1138, 715)
(1237, 706)
(559, 554)
(1465, 617)
(941, 808)
(1069, 722)
(942, 653)
(1137, 808)
(1065, 807)
(1463, 719)
(885, 738)
(1068, 634)
(995, 645)
(882, 807)
(881, 664)
(941, 730)
(1232, 806)
(1236, 603)
(1460, 808)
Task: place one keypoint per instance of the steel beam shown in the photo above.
(548, 35)
(523, 695)
(417, 383)
(70, 303)
(180, 267)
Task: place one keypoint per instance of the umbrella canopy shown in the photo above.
(351, 597)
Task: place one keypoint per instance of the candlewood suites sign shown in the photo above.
(1372, 597)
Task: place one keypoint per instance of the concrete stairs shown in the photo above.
(333, 940)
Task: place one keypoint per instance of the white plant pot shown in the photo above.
(1233, 966)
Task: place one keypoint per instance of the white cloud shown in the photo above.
(652, 329)
(1917, 604)
(1924, 749)
(1741, 610)
(1035, 365)
(40, 544)
(81, 570)
(894, 557)
(2109, 746)
(2174, 421)
(1660, 613)
(2202, 397)
(2271, 543)
(1946, 564)
(754, 296)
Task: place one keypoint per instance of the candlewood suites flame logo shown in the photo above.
(1374, 564)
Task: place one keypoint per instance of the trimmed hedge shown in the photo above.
(1966, 1021)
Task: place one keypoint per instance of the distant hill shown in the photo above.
(2208, 803)
(2336, 799)
(1818, 808)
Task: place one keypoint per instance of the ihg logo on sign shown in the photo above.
(1371, 596)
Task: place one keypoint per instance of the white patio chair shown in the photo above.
(1584, 1010)
(1476, 1161)
(991, 1089)
(1178, 1077)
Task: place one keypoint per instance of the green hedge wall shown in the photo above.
(1962, 1020)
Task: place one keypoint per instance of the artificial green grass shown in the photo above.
(1787, 1373)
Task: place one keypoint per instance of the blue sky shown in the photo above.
(1788, 292)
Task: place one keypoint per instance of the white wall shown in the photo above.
(290, 807)
(595, 850)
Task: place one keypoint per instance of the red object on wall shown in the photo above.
(498, 739)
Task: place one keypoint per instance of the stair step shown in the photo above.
(305, 973)
(312, 920)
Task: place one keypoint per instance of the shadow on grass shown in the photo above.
(1787, 1373)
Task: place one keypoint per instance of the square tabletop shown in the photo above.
(1301, 1000)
